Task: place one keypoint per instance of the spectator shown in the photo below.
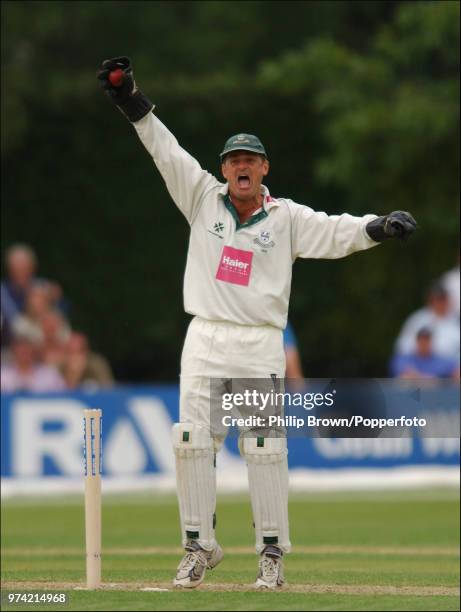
(423, 362)
(293, 361)
(21, 266)
(450, 282)
(83, 367)
(437, 317)
(56, 332)
(38, 303)
(24, 373)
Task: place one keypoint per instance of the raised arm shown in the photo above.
(186, 181)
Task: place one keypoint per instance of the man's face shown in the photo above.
(38, 301)
(440, 304)
(21, 268)
(244, 171)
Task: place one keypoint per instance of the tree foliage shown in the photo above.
(356, 102)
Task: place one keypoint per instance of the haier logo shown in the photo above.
(235, 263)
(235, 266)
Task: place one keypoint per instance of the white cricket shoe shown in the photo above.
(270, 569)
(191, 571)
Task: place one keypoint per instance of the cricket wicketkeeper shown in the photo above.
(243, 243)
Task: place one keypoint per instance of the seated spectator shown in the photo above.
(82, 367)
(56, 333)
(24, 373)
(38, 304)
(437, 317)
(424, 363)
(21, 266)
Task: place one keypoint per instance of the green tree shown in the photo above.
(355, 101)
(390, 125)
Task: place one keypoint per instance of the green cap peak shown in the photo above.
(243, 142)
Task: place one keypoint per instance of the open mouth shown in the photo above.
(243, 181)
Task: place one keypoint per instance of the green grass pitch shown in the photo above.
(351, 551)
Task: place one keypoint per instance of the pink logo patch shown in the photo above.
(235, 266)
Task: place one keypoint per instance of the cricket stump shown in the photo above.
(92, 427)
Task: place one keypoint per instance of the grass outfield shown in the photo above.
(351, 551)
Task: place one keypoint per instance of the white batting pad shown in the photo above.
(267, 463)
(196, 483)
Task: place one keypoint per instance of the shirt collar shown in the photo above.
(268, 203)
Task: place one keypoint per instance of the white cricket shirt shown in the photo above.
(241, 273)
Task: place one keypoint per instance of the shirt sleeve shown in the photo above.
(186, 181)
(317, 235)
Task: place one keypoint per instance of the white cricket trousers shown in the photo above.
(214, 349)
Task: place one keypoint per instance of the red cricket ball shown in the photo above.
(116, 77)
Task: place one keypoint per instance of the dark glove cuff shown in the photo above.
(375, 229)
(136, 106)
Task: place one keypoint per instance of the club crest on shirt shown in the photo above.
(264, 239)
(218, 229)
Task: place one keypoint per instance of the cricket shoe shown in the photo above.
(270, 569)
(191, 571)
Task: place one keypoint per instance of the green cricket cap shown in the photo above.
(243, 142)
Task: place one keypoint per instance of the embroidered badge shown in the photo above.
(218, 229)
(264, 240)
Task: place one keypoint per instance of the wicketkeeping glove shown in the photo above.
(130, 100)
(398, 224)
